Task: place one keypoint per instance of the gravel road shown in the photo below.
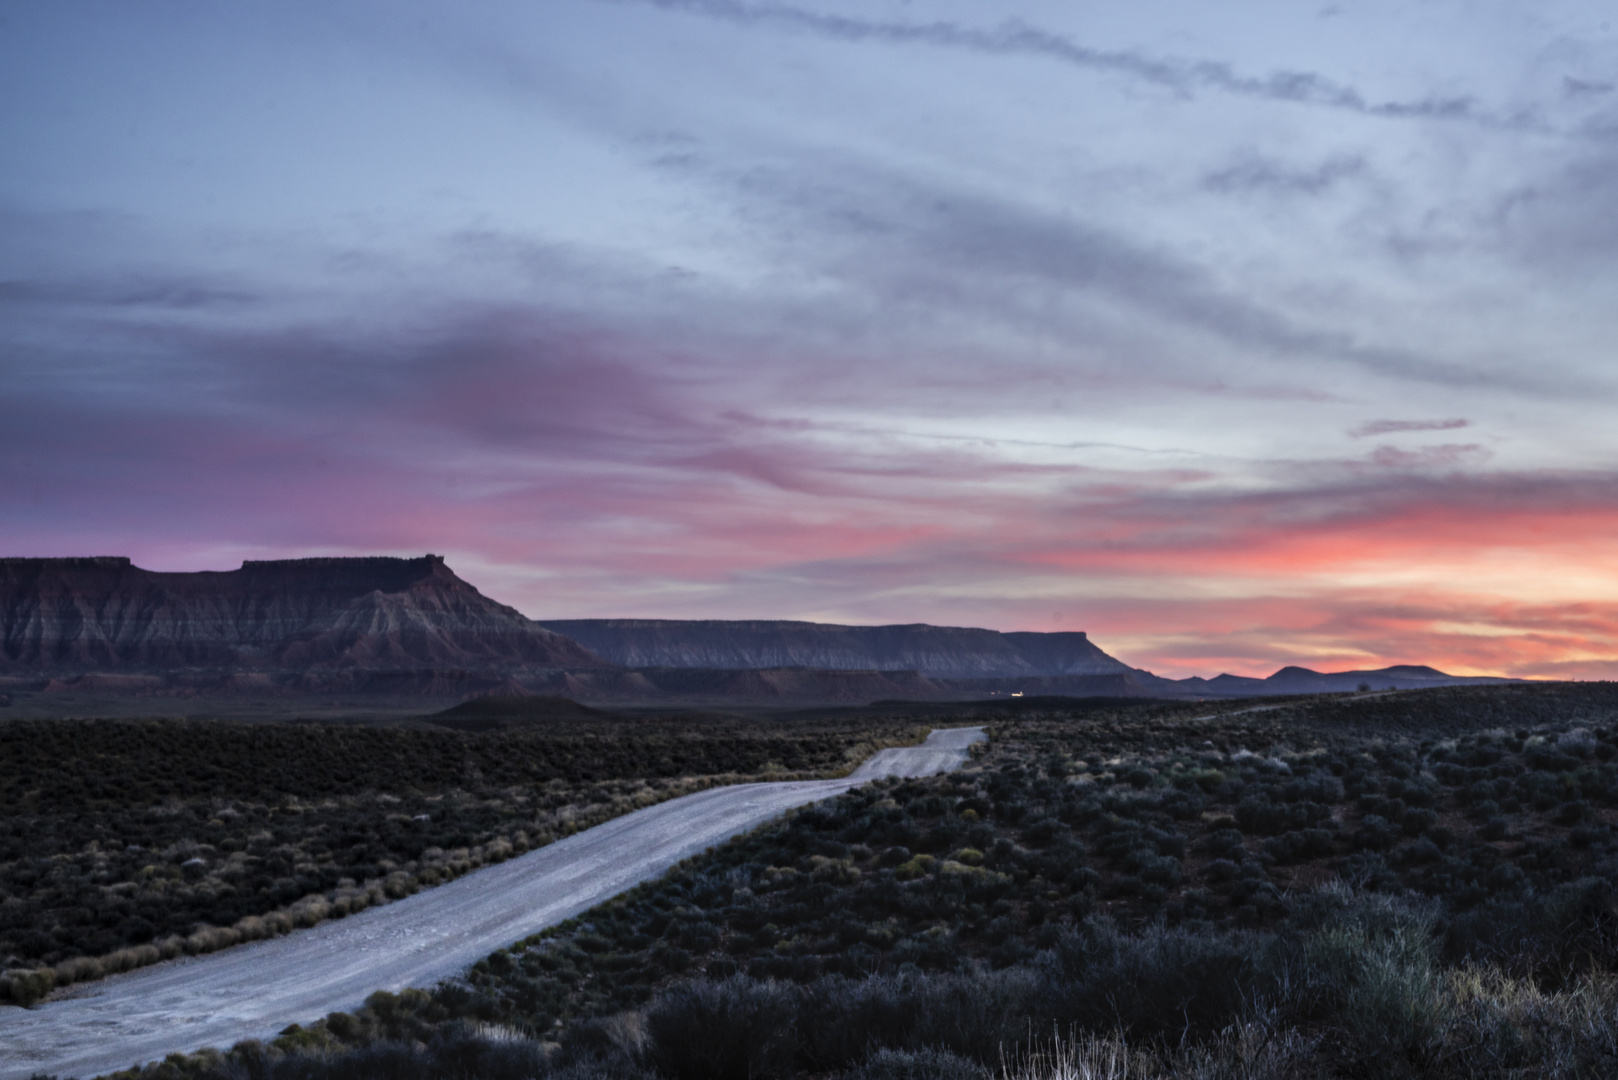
(253, 991)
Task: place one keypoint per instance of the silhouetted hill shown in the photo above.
(95, 629)
(932, 663)
(503, 712)
(935, 652)
(1301, 680)
(105, 614)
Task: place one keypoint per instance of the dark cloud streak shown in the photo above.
(131, 292)
(924, 246)
(1016, 38)
(1257, 174)
(1388, 427)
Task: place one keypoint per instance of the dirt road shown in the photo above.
(254, 991)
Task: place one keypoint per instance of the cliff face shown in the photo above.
(949, 652)
(105, 614)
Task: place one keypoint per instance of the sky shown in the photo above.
(1236, 335)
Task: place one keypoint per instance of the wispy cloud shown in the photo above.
(1388, 427)
(1256, 174)
(135, 292)
(1564, 221)
(925, 247)
(1448, 455)
(1183, 76)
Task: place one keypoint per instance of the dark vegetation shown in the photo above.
(1419, 884)
(123, 842)
(1346, 888)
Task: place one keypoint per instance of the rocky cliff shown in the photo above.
(105, 614)
(946, 652)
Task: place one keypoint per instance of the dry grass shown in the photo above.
(1252, 1051)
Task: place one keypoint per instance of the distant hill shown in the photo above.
(105, 614)
(936, 652)
(93, 628)
(1301, 680)
(950, 661)
(502, 713)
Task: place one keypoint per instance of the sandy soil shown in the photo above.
(256, 990)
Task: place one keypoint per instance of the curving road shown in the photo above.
(253, 991)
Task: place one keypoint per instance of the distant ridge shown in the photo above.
(106, 614)
(949, 661)
(90, 627)
(501, 713)
(1301, 680)
(936, 652)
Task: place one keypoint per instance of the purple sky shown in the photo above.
(1237, 336)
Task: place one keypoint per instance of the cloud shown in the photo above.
(1586, 87)
(135, 291)
(1361, 628)
(1428, 457)
(970, 368)
(1256, 174)
(936, 252)
(585, 475)
(1016, 38)
(1565, 221)
(1388, 427)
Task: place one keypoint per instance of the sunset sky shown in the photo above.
(1237, 335)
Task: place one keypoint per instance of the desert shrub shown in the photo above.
(737, 1029)
(457, 1049)
(1152, 984)
(1259, 817)
(1572, 812)
(1504, 1026)
(924, 1064)
(1319, 786)
(1415, 822)
(1223, 843)
(1160, 870)
(973, 1017)
(1042, 831)
(1552, 938)
(110, 857)
(1391, 1011)
(1300, 845)
(1374, 833)
(1040, 886)
(23, 986)
(1576, 743)
(843, 1021)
